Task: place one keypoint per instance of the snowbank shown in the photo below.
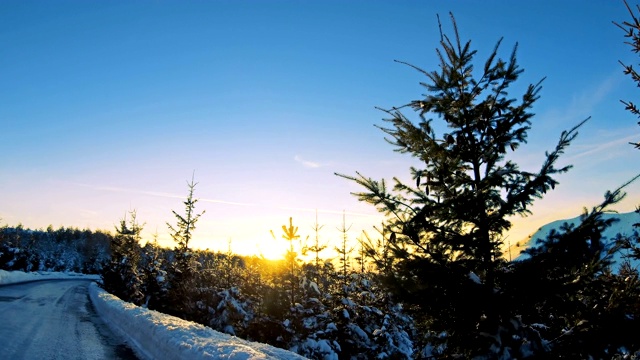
(160, 336)
(12, 277)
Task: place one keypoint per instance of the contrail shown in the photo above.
(602, 146)
(217, 201)
(157, 194)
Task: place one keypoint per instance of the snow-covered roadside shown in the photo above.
(12, 277)
(156, 335)
(160, 336)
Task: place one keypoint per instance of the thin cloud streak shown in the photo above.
(217, 201)
(583, 103)
(306, 163)
(159, 194)
(599, 148)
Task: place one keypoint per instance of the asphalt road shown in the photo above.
(54, 319)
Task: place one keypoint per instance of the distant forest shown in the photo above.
(63, 249)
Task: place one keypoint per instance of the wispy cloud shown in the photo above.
(218, 201)
(306, 163)
(582, 104)
(158, 194)
(601, 147)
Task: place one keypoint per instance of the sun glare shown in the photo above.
(271, 249)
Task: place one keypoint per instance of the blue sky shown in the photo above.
(111, 106)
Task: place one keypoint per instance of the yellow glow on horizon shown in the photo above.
(271, 249)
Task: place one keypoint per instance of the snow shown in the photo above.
(13, 277)
(156, 335)
(159, 336)
(474, 277)
(624, 226)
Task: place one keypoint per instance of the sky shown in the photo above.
(107, 107)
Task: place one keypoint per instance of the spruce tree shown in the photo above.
(447, 228)
(316, 271)
(186, 224)
(182, 273)
(155, 275)
(361, 258)
(378, 250)
(344, 257)
(121, 276)
(291, 278)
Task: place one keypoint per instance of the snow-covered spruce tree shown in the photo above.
(153, 266)
(220, 302)
(121, 275)
(297, 300)
(312, 330)
(447, 228)
(367, 322)
(310, 323)
(181, 273)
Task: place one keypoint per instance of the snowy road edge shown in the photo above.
(17, 277)
(159, 336)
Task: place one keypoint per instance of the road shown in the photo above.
(54, 319)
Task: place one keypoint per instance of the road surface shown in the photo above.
(54, 319)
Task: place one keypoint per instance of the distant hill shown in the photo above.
(624, 225)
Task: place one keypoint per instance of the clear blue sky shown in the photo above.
(110, 106)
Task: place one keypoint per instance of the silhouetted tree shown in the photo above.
(344, 256)
(182, 272)
(316, 270)
(292, 278)
(568, 289)
(446, 230)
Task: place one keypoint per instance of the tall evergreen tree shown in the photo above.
(447, 228)
(182, 232)
(182, 273)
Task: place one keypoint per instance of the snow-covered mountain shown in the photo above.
(623, 226)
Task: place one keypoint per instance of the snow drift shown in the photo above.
(14, 277)
(159, 336)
